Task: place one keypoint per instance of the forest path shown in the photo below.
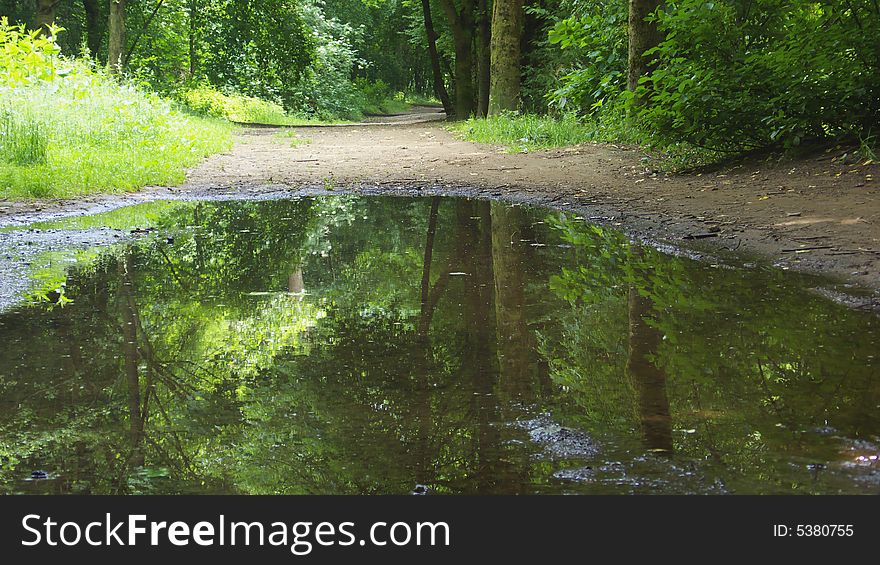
(820, 214)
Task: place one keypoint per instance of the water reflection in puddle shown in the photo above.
(346, 345)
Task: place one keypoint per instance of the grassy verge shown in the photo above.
(207, 101)
(521, 133)
(210, 102)
(420, 100)
(67, 129)
(528, 132)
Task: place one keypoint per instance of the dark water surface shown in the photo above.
(369, 345)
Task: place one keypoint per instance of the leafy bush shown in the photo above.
(27, 57)
(233, 107)
(734, 75)
(69, 129)
(598, 42)
(258, 48)
(326, 90)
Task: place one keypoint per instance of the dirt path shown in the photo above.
(820, 215)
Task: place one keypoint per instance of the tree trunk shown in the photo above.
(462, 24)
(116, 43)
(45, 16)
(439, 85)
(507, 28)
(94, 29)
(464, 75)
(643, 35)
(295, 282)
(483, 58)
(193, 56)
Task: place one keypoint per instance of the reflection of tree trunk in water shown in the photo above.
(427, 309)
(648, 379)
(83, 466)
(516, 344)
(424, 417)
(130, 357)
(199, 241)
(295, 282)
(474, 250)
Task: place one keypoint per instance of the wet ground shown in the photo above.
(345, 344)
(815, 213)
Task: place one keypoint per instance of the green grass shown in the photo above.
(415, 99)
(87, 134)
(23, 140)
(522, 133)
(80, 132)
(528, 132)
(388, 106)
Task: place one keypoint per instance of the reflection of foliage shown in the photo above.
(244, 384)
(747, 376)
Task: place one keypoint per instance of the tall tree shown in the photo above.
(439, 85)
(507, 28)
(461, 20)
(94, 29)
(116, 42)
(643, 35)
(484, 24)
(45, 16)
(192, 10)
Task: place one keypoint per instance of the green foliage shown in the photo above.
(68, 129)
(260, 48)
(372, 94)
(233, 107)
(324, 60)
(730, 76)
(598, 41)
(735, 75)
(27, 56)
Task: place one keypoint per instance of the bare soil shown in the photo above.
(820, 214)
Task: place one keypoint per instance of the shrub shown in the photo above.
(208, 101)
(69, 129)
(734, 76)
(598, 43)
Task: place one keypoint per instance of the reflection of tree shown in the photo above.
(648, 379)
(516, 343)
(743, 359)
(136, 416)
(411, 355)
(478, 362)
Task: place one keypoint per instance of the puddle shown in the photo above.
(390, 345)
